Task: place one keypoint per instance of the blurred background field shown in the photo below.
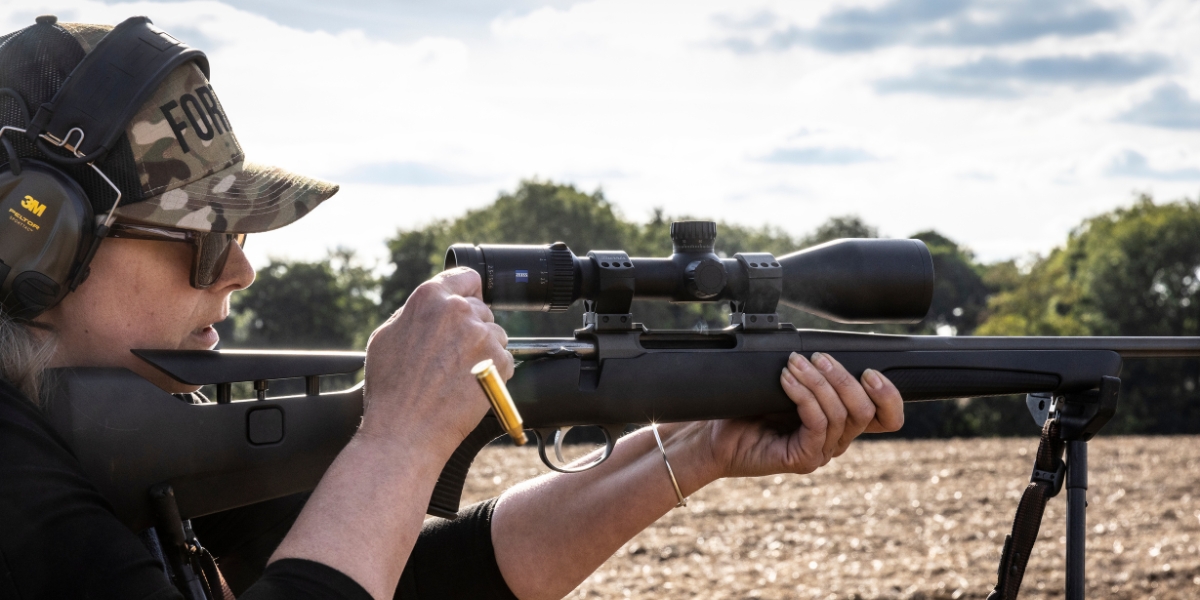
(913, 519)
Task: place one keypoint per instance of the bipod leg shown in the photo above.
(1077, 482)
(1080, 417)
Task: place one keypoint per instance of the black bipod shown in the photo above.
(1067, 422)
(1080, 417)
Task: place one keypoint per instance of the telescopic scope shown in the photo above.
(846, 280)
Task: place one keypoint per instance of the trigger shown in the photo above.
(558, 442)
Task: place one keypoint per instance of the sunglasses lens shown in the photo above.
(210, 259)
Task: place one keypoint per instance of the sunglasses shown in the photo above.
(210, 251)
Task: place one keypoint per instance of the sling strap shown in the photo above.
(214, 583)
(1045, 483)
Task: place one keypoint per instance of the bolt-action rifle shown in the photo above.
(613, 371)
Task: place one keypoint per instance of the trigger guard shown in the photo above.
(611, 434)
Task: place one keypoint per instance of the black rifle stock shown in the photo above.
(130, 436)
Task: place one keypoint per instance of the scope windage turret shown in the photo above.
(848, 280)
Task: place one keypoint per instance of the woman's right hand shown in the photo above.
(418, 371)
(420, 402)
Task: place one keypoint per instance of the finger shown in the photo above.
(461, 281)
(810, 438)
(806, 373)
(889, 406)
(505, 365)
(481, 310)
(499, 335)
(860, 410)
(499, 352)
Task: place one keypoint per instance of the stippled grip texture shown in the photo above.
(448, 490)
(917, 384)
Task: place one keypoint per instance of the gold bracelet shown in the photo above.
(674, 483)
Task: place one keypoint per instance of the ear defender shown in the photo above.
(46, 225)
(48, 233)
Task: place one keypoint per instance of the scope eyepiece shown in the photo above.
(523, 278)
(849, 280)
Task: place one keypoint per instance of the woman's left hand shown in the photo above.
(833, 407)
(610, 504)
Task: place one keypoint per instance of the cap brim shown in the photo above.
(244, 198)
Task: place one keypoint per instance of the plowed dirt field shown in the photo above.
(906, 519)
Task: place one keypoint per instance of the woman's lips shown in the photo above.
(206, 336)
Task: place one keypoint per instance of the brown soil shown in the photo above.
(906, 519)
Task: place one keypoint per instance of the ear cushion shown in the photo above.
(46, 222)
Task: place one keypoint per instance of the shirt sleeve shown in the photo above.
(455, 559)
(60, 537)
(452, 559)
(243, 539)
(298, 579)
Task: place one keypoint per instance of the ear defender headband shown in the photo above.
(48, 234)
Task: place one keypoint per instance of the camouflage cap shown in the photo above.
(194, 174)
(179, 164)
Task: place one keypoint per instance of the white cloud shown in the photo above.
(637, 97)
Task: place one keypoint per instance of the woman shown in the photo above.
(357, 531)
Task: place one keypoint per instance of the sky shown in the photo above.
(1001, 124)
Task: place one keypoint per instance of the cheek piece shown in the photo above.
(48, 232)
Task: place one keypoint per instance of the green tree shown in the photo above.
(960, 294)
(1131, 271)
(541, 212)
(415, 256)
(1042, 301)
(849, 226)
(329, 304)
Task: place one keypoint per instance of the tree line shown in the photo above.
(1131, 271)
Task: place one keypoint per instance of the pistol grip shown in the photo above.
(448, 491)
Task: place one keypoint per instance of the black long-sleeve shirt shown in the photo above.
(59, 538)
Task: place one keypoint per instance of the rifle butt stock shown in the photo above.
(130, 436)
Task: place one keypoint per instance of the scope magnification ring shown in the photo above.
(562, 278)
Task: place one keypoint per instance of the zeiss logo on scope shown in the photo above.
(522, 276)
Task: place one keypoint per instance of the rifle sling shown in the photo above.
(1047, 480)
